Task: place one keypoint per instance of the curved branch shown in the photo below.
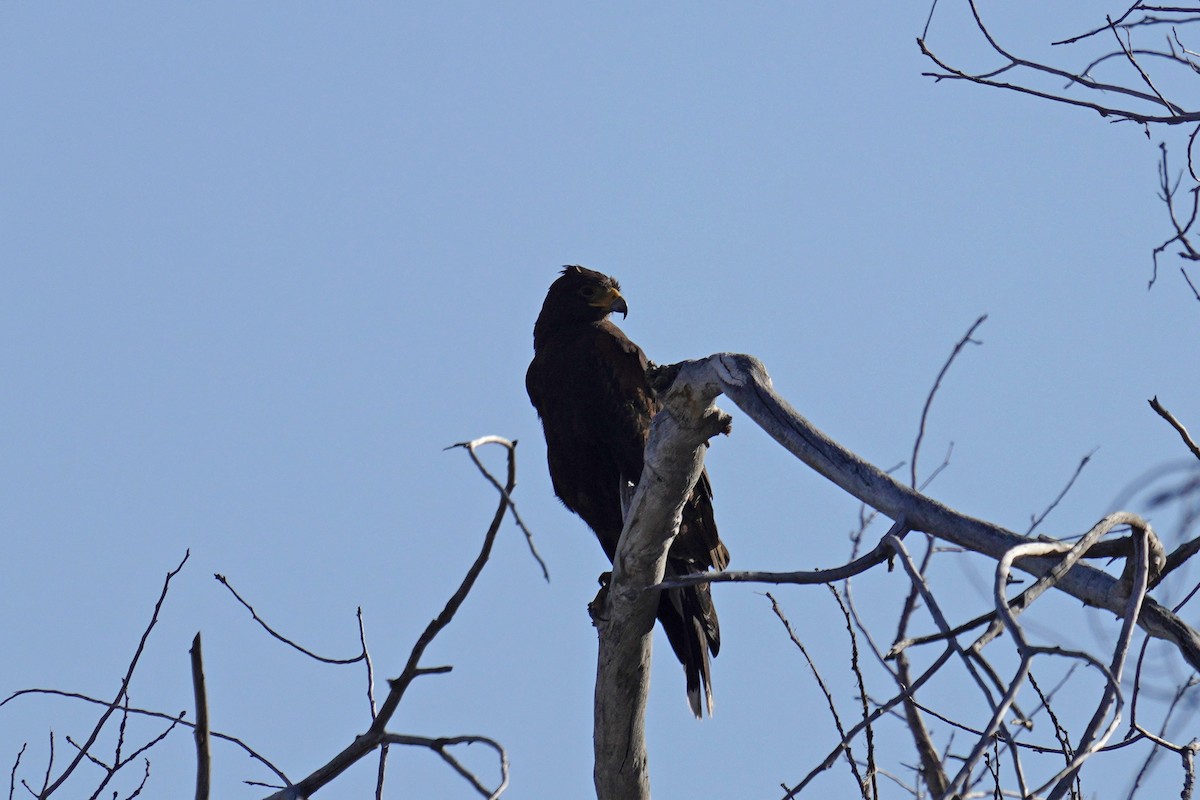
(744, 380)
(884, 551)
(262, 623)
(441, 747)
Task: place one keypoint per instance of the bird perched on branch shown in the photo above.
(588, 383)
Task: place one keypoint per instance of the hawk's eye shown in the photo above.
(588, 291)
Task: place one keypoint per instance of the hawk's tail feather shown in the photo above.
(690, 621)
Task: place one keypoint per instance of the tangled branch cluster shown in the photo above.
(376, 739)
(1000, 756)
(1003, 742)
(1146, 49)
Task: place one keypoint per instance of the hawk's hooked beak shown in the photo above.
(617, 303)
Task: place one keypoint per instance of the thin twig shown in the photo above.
(1191, 285)
(49, 767)
(1176, 424)
(381, 770)
(933, 391)
(1014, 63)
(145, 777)
(12, 777)
(1036, 521)
(51, 787)
(1145, 78)
(1102, 28)
(221, 579)
(441, 745)
(837, 720)
(930, 768)
(1060, 732)
(505, 492)
(1159, 739)
(880, 711)
(1167, 192)
(869, 729)
(879, 554)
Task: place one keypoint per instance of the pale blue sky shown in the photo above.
(265, 261)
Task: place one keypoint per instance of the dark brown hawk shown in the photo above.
(588, 383)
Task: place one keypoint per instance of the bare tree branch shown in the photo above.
(624, 612)
(505, 493)
(1137, 98)
(221, 579)
(203, 761)
(1176, 424)
(837, 720)
(1036, 521)
(1092, 739)
(381, 770)
(745, 381)
(856, 668)
(51, 786)
(1175, 114)
(174, 719)
(933, 392)
(879, 554)
(441, 747)
(377, 735)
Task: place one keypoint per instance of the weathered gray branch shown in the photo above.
(745, 381)
(674, 458)
(624, 613)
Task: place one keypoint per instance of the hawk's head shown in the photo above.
(581, 295)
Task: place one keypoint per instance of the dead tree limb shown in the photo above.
(674, 457)
(744, 380)
(624, 612)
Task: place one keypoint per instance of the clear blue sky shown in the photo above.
(263, 262)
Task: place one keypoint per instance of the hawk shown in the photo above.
(588, 383)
